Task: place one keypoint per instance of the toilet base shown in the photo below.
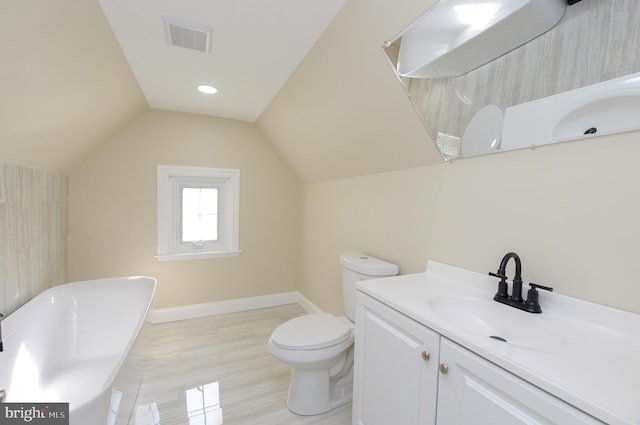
(313, 392)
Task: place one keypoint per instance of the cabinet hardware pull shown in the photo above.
(443, 369)
(426, 356)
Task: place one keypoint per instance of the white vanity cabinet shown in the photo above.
(396, 367)
(472, 390)
(395, 383)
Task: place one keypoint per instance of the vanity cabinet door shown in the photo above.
(474, 391)
(396, 367)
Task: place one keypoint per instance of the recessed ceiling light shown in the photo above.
(203, 88)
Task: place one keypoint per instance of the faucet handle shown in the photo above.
(503, 291)
(536, 286)
(532, 304)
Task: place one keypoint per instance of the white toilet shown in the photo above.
(319, 346)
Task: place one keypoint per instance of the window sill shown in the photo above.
(196, 255)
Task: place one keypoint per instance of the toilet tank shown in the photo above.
(357, 266)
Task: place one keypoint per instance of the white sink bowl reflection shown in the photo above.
(597, 116)
(491, 319)
(607, 107)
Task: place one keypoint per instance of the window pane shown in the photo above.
(209, 227)
(199, 214)
(209, 201)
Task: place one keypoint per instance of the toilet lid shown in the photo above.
(484, 132)
(309, 332)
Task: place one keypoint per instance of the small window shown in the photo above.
(198, 211)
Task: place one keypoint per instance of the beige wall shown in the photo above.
(570, 210)
(65, 84)
(112, 209)
(342, 113)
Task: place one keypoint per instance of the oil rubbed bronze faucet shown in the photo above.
(531, 305)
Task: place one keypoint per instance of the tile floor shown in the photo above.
(217, 370)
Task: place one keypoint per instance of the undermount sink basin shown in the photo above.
(497, 321)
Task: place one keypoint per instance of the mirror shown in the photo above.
(586, 69)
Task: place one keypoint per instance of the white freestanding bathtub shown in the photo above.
(71, 343)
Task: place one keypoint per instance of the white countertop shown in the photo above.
(589, 354)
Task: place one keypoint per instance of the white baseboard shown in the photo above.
(172, 314)
(307, 304)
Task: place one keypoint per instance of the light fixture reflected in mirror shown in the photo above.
(476, 15)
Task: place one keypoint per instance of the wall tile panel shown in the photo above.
(33, 233)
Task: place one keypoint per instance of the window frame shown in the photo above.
(171, 180)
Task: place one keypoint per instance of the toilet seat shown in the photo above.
(311, 332)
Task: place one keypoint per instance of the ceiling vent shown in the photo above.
(188, 35)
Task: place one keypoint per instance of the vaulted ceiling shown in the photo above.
(309, 73)
(253, 46)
